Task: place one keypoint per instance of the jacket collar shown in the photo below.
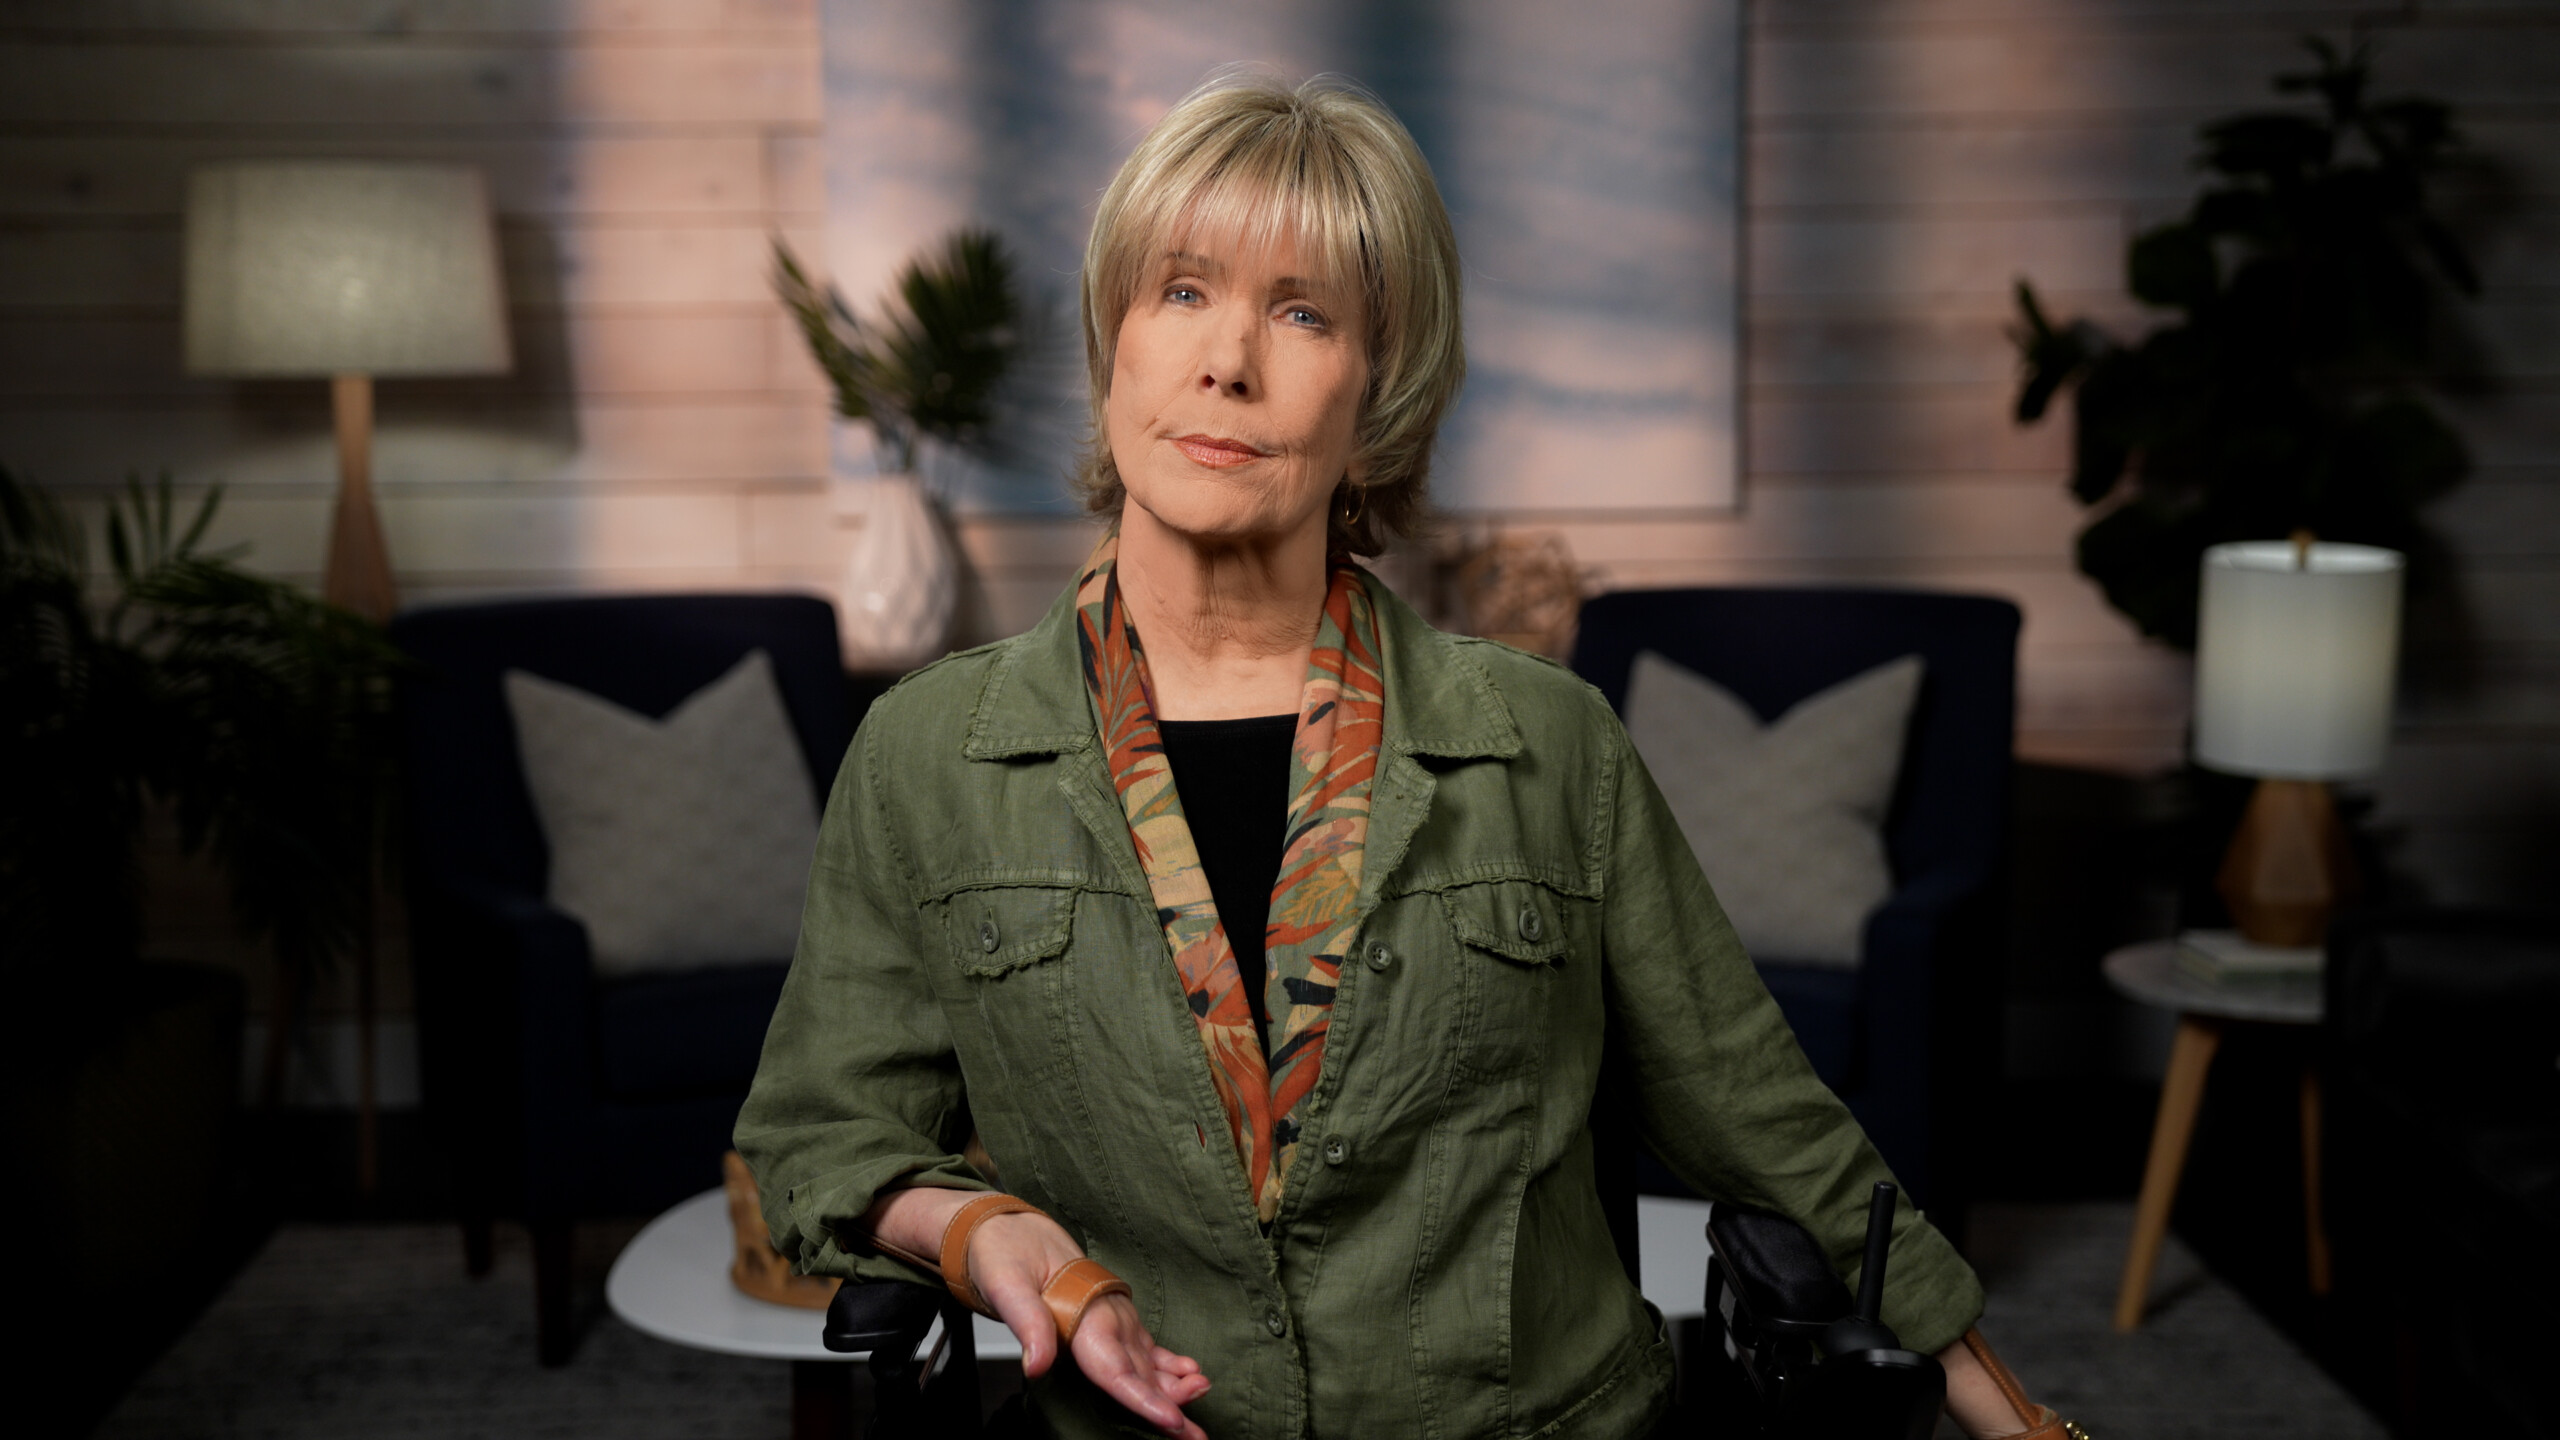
(1440, 702)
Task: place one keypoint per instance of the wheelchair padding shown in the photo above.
(885, 1315)
(1781, 1274)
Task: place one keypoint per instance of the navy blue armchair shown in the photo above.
(2441, 1051)
(1902, 1036)
(557, 1093)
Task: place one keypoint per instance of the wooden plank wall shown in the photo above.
(661, 423)
(1907, 160)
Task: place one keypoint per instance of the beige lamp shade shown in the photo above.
(340, 267)
(2295, 655)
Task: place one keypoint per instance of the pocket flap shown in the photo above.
(1512, 918)
(1003, 928)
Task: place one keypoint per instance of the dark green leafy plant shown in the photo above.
(934, 363)
(254, 710)
(2287, 397)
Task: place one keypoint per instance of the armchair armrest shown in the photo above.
(2448, 1007)
(1928, 1027)
(535, 955)
(1909, 926)
(534, 932)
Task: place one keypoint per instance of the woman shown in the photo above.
(1333, 1152)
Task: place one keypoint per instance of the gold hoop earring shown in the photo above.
(1355, 504)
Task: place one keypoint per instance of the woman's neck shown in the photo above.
(1227, 624)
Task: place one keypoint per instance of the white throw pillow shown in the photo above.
(681, 842)
(1787, 818)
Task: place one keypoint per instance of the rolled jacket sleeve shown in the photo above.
(859, 1090)
(1724, 1094)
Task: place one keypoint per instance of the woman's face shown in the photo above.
(1235, 390)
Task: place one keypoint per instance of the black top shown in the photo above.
(1233, 777)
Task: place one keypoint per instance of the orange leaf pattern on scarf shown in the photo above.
(1314, 901)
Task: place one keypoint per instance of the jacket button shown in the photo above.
(1380, 957)
(1336, 1150)
(987, 936)
(1275, 1322)
(1530, 925)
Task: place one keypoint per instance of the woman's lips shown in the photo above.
(1216, 452)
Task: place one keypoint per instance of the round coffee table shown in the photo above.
(2206, 1010)
(672, 1282)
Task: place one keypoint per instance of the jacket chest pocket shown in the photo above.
(1010, 945)
(1511, 942)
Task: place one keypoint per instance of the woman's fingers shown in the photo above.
(1115, 1352)
(1031, 1323)
(1012, 1256)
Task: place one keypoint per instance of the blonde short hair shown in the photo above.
(1329, 165)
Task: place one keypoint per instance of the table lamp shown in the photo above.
(349, 269)
(2294, 660)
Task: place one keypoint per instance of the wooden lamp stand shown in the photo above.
(359, 572)
(2288, 867)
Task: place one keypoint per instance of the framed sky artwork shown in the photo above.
(1589, 155)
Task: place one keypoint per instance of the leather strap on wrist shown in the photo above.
(1073, 1290)
(2040, 1420)
(955, 1244)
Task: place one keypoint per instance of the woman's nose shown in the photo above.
(1229, 364)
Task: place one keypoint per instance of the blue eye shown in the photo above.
(1182, 295)
(1301, 315)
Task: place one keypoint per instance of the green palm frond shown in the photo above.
(934, 362)
(258, 711)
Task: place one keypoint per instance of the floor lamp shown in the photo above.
(348, 270)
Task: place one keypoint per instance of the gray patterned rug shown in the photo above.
(2204, 1366)
(357, 1332)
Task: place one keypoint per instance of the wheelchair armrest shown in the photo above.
(923, 1359)
(1784, 1283)
(1816, 1364)
(884, 1317)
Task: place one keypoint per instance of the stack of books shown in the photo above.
(2223, 957)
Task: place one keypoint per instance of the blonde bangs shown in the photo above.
(1247, 163)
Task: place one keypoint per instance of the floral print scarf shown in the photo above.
(1314, 918)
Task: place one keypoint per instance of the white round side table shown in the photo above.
(672, 1282)
(2151, 974)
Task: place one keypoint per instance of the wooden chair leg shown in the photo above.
(555, 1335)
(2181, 1093)
(2315, 1226)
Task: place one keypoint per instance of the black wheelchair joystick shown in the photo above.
(1810, 1362)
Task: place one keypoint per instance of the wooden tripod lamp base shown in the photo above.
(2288, 867)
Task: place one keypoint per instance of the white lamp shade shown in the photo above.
(2294, 659)
(338, 267)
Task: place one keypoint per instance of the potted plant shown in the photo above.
(2287, 394)
(930, 366)
(254, 712)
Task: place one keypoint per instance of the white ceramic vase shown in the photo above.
(902, 581)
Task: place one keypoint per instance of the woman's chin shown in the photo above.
(1206, 522)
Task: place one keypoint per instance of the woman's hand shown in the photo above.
(1011, 1258)
(1974, 1399)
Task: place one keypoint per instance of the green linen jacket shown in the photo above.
(980, 951)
